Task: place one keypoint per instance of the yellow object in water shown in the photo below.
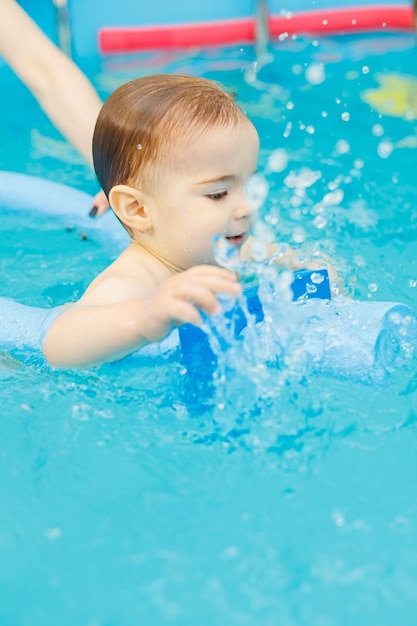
(396, 95)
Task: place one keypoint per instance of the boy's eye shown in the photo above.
(217, 196)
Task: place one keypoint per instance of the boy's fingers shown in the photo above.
(218, 280)
(185, 313)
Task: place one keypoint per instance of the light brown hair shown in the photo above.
(142, 123)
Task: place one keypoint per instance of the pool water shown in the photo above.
(127, 498)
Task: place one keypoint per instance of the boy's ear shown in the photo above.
(131, 207)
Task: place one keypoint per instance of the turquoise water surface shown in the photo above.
(281, 500)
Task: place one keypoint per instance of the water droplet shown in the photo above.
(317, 278)
(377, 130)
(257, 191)
(396, 318)
(320, 221)
(342, 146)
(345, 116)
(373, 287)
(333, 184)
(338, 518)
(303, 179)
(278, 160)
(296, 201)
(315, 74)
(299, 235)
(226, 254)
(333, 197)
(384, 149)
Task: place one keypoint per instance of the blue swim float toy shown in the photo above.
(343, 338)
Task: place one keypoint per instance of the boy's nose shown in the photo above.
(243, 207)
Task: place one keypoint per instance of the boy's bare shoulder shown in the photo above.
(112, 288)
(125, 279)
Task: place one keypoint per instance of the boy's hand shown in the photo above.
(180, 298)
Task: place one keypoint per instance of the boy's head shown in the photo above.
(144, 123)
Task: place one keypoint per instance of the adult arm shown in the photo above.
(63, 91)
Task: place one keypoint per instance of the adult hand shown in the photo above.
(100, 204)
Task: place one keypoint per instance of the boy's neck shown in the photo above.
(171, 267)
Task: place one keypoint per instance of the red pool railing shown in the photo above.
(331, 21)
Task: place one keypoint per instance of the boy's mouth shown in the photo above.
(237, 240)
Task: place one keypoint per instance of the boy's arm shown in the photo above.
(92, 332)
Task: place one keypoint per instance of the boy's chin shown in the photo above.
(208, 259)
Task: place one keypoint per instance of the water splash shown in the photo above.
(256, 191)
(276, 342)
